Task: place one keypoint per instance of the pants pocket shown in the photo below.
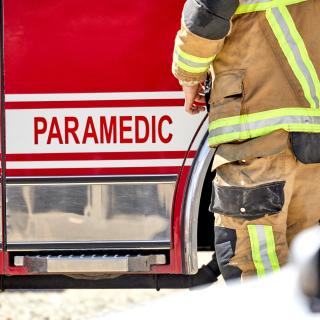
(248, 203)
(306, 146)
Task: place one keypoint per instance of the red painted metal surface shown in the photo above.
(72, 46)
(9, 270)
(50, 172)
(101, 156)
(175, 252)
(2, 262)
(2, 210)
(81, 46)
(177, 208)
(95, 104)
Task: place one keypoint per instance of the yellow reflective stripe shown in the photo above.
(189, 68)
(262, 6)
(243, 135)
(302, 48)
(262, 123)
(263, 249)
(271, 248)
(193, 58)
(289, 54)
(263, 115)
(255, 250)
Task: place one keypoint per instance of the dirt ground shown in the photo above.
(76, 304)
(72, 304)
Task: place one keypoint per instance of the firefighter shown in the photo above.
(264, 121)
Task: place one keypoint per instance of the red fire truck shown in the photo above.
(105, 179)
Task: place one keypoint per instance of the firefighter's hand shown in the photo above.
(194, 102)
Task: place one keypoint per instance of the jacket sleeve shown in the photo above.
(204, 26)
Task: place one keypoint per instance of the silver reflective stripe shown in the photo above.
(191, 63)
(250, 126)
(263, 248)
(296, 52)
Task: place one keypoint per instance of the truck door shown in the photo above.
(96, 137)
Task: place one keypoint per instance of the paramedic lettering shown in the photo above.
(102, 130)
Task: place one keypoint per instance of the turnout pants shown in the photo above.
(262, 197)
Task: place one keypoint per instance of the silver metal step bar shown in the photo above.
(89, 263)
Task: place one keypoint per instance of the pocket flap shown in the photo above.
(248, 203)
(227, 84)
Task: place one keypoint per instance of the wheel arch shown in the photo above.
(192, 204)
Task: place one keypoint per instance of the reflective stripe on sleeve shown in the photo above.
(191, 63)
(296, 53)
(263, 249)
(261, 5)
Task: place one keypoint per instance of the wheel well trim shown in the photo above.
(191, 205)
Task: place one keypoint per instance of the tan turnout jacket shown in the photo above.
(266, 69)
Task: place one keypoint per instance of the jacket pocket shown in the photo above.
(227, 94)
(306, 146)
(248, 203)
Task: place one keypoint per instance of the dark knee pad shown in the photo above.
(225, 245)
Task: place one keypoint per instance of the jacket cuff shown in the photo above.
(193, 55)
(184, 83)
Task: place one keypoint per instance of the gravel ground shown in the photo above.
(72, 304)
(76, 304)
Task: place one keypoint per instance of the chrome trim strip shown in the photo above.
(192, 204)
(91, 179)
(89, 263)
(88, 183)
(92, 245)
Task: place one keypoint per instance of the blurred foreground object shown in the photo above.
(292, 293)
(306, 256)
